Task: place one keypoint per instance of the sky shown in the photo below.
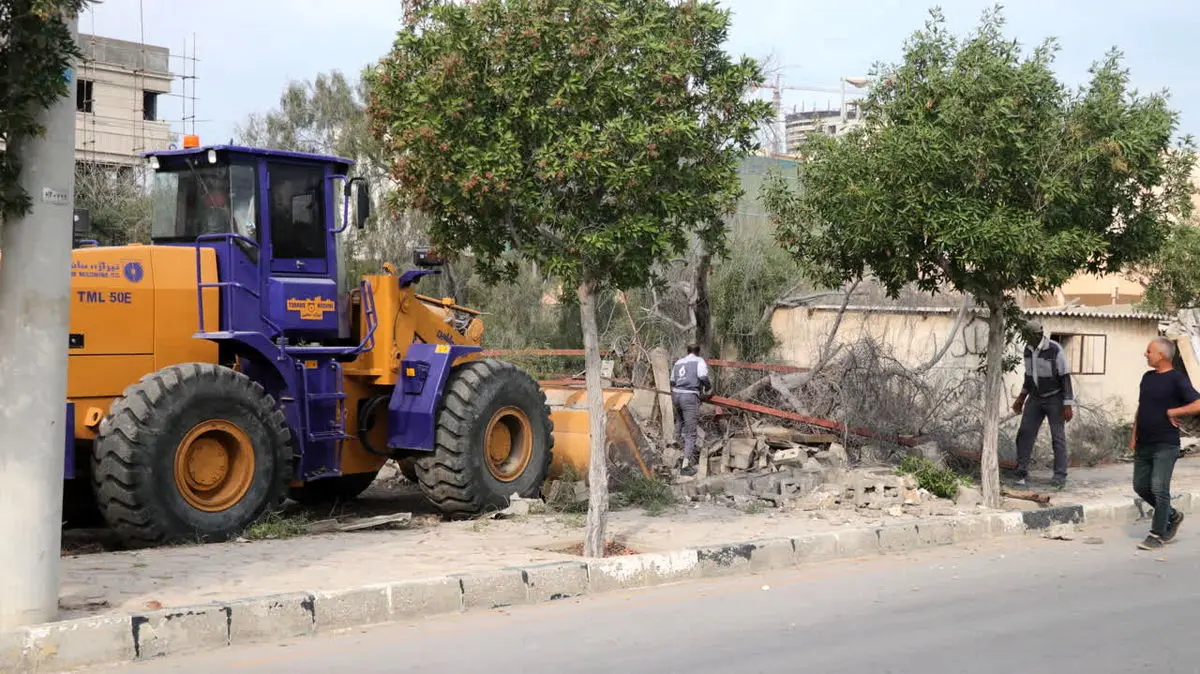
(248, 50)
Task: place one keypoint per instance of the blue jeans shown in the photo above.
(1152, 468)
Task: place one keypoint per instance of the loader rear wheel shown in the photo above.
(494, 438)
(333, 489)
(191, 452)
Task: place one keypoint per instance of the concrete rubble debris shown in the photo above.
(967, 497)
(791, 469)
(521, 507)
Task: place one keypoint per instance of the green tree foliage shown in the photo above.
(36, 50)
(119, 205)
(593, 138)
(325, 115)
(1172, 277)
(976, 169)
(747, 282)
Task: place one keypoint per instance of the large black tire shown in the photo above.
(333, 489)
(456, 477)
(134, 466)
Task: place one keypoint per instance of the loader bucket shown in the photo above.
(627, 449)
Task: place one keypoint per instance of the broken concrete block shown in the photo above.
(642, 404)
(967, 497)
(835, 456)
(766, 484)
(741, 452)
(741, 446)
(813, 466)
(789, 457)
(819, 500)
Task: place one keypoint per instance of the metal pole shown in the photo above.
(34, 320)
(842, 111)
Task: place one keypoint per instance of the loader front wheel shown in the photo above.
(193, 452)
(494, 439)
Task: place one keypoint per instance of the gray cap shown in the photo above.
(1035, 326)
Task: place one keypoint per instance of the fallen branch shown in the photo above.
(828, 351)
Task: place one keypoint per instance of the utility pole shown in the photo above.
(34, 320)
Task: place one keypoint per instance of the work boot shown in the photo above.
(687, 471)
(1058, 481)
(1152, 542)
(1173, 526)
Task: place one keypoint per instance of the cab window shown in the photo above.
(297, 197)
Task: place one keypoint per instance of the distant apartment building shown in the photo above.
(120, 88)
(799, 125)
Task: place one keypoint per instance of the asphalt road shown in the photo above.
(1013, 607)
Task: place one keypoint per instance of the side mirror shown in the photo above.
(362, 204)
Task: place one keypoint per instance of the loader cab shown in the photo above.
(273, 218)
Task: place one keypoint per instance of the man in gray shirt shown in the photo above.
(689, 382)
(1046, 395)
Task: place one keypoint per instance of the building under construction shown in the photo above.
(119, 88)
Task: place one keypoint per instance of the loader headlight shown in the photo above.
(212, 156)
(153, 163)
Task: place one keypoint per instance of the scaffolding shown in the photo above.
(139, 127)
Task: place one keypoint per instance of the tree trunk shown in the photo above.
(597, 516)
(989, 459)
(701, 308)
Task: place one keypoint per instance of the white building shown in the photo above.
(120, 89)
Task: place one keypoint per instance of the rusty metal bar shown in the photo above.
(763, 367)
(813, 421)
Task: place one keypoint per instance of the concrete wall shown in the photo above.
(1105, 351)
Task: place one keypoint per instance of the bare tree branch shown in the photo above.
(959, 321)
(655, 311)
(787, 301)
(828, 351)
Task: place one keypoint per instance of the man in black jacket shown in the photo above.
(1047, 394)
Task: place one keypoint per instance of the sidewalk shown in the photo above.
(136, 606)
(121, 582)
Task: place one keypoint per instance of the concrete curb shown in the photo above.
(58, 646)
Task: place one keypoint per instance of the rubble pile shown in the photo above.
(765, 449)
(771, 466)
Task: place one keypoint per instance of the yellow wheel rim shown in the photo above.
(508, 444)
(214, 466)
